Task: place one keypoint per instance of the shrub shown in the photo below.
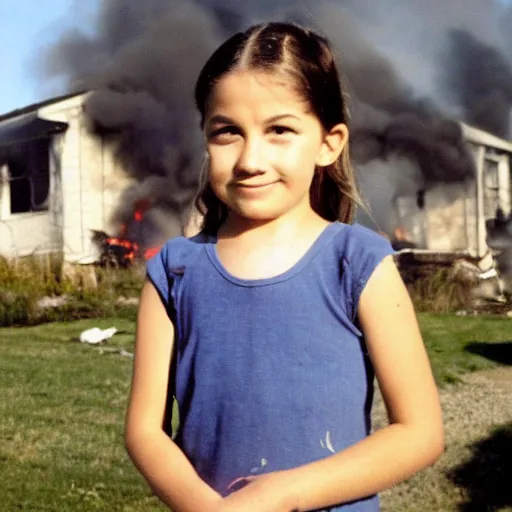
(25, 282)
(442, 291)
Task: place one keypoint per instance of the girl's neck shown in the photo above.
(271, 231)
(258, 250)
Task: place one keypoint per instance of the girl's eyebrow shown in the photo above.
(273, 119)
(220, 119)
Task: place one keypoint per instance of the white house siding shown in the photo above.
(91, 182)
(68, 190)
(92, 215)
(450, 211)
(28, 233)
(471, 217)
(97, 186)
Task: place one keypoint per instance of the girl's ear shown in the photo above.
(332, 145)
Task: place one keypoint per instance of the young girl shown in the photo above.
(275, 318)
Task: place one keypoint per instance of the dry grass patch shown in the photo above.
(477, 412)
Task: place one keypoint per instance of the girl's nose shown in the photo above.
(250, 159)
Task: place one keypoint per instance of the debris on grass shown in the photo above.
(121, 351)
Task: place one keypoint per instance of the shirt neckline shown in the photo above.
(326, 234)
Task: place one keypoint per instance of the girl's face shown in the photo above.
(264, 145)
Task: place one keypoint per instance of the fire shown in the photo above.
(402, 239)
(120, 250)
(400, 234)
(141, 206)
(131, 249)
(149, 253)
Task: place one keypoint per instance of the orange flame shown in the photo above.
(149, 253)
(400, 234)
(132, 247)
(141, 206)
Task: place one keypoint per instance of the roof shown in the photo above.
(477, 136)
(36, 106)
(27, 128)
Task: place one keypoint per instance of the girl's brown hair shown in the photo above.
(307, 58)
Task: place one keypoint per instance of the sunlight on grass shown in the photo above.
(61, 424)
(447, 338)
(61, 416)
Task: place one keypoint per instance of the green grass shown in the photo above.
(61, 417)
(63, 403)
(457, 345)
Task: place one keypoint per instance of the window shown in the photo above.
(28, 164)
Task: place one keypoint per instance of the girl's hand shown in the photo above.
(270, 492)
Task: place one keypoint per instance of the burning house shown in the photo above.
(459, 217)
(122, 162)
(465, 223)
(62, 189)
(57, 181)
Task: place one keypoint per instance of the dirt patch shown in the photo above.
(481, 396)
(497, 375)
(473, 411)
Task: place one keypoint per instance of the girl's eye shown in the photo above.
(224, 132)
(281, 130)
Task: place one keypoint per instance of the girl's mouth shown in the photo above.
(254, 185)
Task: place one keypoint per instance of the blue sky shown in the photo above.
(27, 27)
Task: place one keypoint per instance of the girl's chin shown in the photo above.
(254, 216)
(267, 210)
(255, 210)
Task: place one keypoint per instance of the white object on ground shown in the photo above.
(96, 335)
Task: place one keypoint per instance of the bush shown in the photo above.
(441, 292)
(25, 282)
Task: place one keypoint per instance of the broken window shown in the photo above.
(28, 165)
(25, 145)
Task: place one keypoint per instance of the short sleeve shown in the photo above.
(365, 250)
(158, 273)
(167, 268)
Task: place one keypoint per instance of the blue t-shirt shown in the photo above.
(270, 373)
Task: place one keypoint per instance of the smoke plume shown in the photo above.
(480, 81)
(410, 71)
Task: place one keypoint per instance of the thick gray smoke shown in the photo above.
(480, 80)
(410, 69)
(141, 64)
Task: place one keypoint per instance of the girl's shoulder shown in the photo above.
(178, 252)
(359, 251)
(170, 263)
(355, 241)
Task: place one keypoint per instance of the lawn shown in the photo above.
(61, 446)
(457, 345)
(63, 403)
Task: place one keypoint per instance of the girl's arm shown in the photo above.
(414, 438)
(161, 462)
